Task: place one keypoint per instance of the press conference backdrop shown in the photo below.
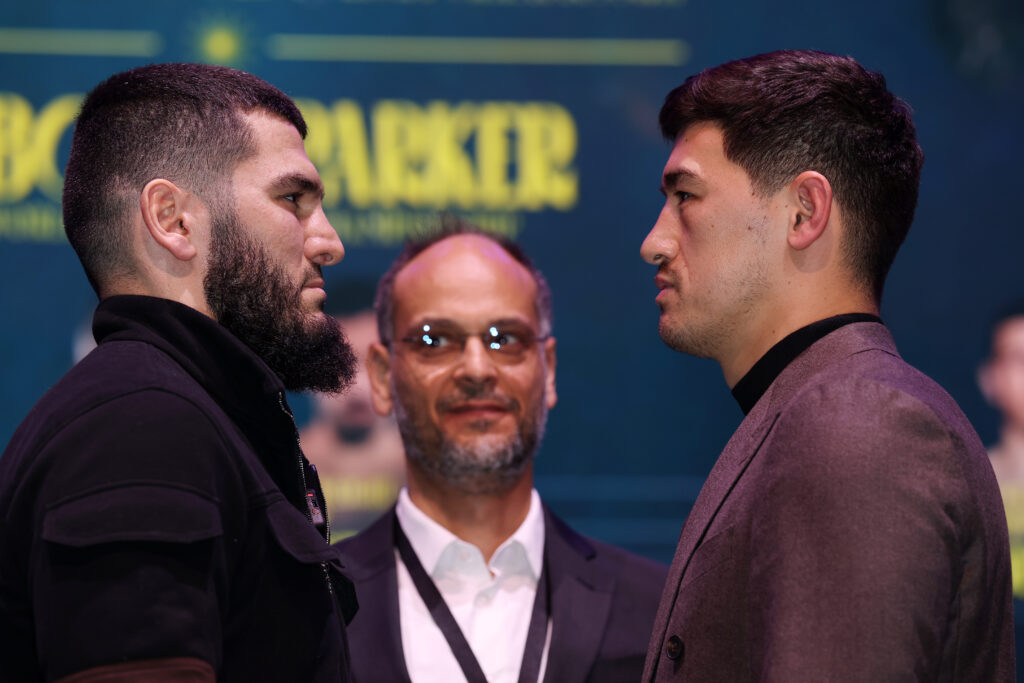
(537, 118)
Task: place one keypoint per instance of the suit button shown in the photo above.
(674, 647)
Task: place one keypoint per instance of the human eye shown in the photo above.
(506, 340)
(430, 340)
(681, 196)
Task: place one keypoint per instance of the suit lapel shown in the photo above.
(581, 596)
(376, 631)
(723, 476)
(731, 464)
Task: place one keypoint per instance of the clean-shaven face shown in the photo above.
(711, 246)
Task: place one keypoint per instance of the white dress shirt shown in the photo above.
(492, 603)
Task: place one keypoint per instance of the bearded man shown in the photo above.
(474, 579)
(158, 521)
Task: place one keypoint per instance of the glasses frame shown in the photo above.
(459, 338)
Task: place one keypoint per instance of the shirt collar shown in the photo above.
(749, 390)
(430, 540)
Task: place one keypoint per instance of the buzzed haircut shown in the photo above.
(181, 122)
(790, 111)
(449, 225)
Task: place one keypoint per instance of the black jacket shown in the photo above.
(603, 601)
(153, 505)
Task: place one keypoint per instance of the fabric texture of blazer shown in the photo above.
(603, 601)
(851, 530)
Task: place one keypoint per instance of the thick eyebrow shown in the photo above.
(297, 181)
(672, 178)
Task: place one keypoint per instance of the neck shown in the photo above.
(485, 520)
(776, 324)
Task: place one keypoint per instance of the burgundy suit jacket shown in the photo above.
(603, 601)
(851, 530)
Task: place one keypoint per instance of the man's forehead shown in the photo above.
(694, 146)
(279, 156)
(465, 273)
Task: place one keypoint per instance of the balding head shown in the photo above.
(448, 228)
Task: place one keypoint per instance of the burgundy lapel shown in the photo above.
(581, 597)
(723, 476)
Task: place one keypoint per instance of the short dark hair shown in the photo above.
(181, 122)
(447, 226)
(785, 112)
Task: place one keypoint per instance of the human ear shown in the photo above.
(378, 368)
(550, 360)
(167, 220)
(812, 198)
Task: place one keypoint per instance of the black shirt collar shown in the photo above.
(751, 387)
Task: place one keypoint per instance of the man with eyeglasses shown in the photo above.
(473, 578)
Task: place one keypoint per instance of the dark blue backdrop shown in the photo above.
(637, 426)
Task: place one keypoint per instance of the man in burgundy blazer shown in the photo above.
(852, 528)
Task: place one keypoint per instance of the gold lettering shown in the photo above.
(55, 118)
(496, 156)
(17, 165)
(399, 146)
(28, 145)
(545, 148)
(31, 222)
(354, 152)
(448, 176)
(492, 153)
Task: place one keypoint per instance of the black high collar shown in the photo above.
(749, 390)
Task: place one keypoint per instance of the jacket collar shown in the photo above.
(581, 595)
(232, 374)
(225, 367)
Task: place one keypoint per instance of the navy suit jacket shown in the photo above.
(603, 601)
(851, 530)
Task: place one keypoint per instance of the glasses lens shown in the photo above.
(504, 343)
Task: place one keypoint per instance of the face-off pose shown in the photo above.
(467, 363)
(159, 521)
(851, 529)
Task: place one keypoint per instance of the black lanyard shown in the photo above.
(529, 670)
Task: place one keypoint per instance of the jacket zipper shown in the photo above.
(305, 490)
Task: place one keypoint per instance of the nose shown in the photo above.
(323, 246)
(660, 245)
(475, 365)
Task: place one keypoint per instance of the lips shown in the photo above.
(477, 407)
(462, 406)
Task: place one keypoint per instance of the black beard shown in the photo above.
(252, 297)
(480, 469)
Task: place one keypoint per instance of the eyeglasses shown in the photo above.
(438, 343)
